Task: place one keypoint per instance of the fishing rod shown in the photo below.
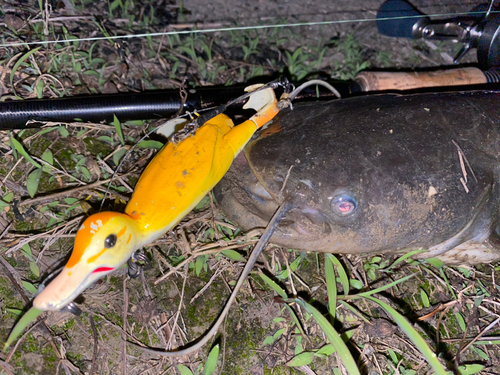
(158, 104)
(148, 105)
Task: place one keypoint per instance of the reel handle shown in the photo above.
(401, 81)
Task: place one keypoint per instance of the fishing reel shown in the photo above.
(479, 29)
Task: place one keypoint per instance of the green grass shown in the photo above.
(337, 299)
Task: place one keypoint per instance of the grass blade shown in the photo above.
(150, 144)
(233, 255)
(33, 181)
(470, 369)
(184, 370)
(334, 338)
(19, 148)
(48, 156)
(18, 64)
(344, 280)
(355, 312)
(29, 287)
(211, 362)
(21, 325)
(412, 335)
(35, 270)
(295, 319)
(331, 287)
(118, 128)
(273, 285)
(400, 259)
(382, 288)
(302, 359)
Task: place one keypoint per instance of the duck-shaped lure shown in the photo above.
(170, 187)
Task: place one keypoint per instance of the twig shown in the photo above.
(462, 158)
(14, 186)
(55, 235)
(6, 67)
(11, 170)
(54, 124)
(197, 254)
(290, 280)
(490, 326)
(61, 171)
(227, 225)
(14, 278)
(67, 18)
(94, 336)
(21, 339)
(55, 196)
(200, 292)
(6, 367)
(284, 183)
(124, 333)
(41, 235)
(124, 198)
(6, 230)
(178, 313)
(119, 178)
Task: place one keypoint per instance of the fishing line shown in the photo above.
(239, 28)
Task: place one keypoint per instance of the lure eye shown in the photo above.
(110, 241)
(344, 205)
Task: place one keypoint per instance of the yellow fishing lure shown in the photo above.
(170, 187)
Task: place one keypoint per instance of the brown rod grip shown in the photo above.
(382, 81)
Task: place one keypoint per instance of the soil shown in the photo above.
(260, 335)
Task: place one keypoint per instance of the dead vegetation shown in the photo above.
(53, 177)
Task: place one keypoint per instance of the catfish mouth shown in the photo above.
(306, 222)
(245, 200)
(248, 204)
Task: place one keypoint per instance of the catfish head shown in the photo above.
(103, 243)
(378, 174)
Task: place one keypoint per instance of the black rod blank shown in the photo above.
(96, 108)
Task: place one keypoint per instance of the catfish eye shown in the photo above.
(110, 241)
(344, 205)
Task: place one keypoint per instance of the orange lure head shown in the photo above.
(103, 243)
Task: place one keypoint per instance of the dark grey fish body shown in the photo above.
(377, 174)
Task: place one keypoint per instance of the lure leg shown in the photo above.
(138, 262)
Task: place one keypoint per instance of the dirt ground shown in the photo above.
(259, 336)
(403, 53)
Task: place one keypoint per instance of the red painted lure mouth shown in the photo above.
(103, 269)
